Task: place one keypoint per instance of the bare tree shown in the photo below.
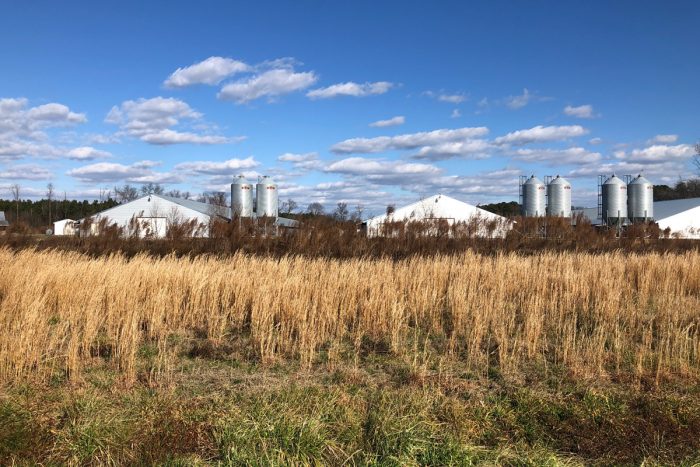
(357, 215)
(315, 209)
(126, 193)
(15, 190)
(49, 196)
(341, 211)
(151, 188)
(217, 198)
(289, 206)
(105, 194)
(696, 158)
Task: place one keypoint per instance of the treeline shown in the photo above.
(683, 189)
(42, 213)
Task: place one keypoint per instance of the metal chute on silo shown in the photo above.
(640, 200)
(533, 197)
(559, 197)
(241, 197)
(266, 197)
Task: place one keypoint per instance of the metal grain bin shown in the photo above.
(533, 198)
(266, 197)
(614, 201)
(241, 197)
(559, 197)
(640, 200)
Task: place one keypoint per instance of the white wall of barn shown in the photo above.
(685, 224)
(154, 212)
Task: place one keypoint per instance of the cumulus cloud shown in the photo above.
(87, 153)
(210, 71)
(25, 172)
(663, 139)
(595, 140)
(350, 89)
(382, 171)
(153, 120)
(455, 113)
(270, 84)
(22, 128)
(228, 167)
(472, 148)
(394, 121)
(541, 133)
(658, 153)
(575, 155)
(582, 111)
(407, 141)
(305, 161)
(109, 172)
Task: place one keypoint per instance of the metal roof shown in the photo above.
(3, 221)
(662, 209)
(203, 208)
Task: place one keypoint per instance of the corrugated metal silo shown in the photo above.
(640, 199)
(241, 197)
(266, 197)
(614, 199)
(559, 197)
(533, 198)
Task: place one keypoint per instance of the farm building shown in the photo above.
(3, 222)
(681, 216)
(439, 210)
(152, 216)
(64, 227)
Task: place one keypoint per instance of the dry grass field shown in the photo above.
(552, 358)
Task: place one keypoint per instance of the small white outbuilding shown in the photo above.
(440, 209)
(64, 227)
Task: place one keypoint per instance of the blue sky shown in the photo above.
(364, 102)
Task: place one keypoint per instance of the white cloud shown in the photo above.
(210, 71)
(658, 153)
(382, 171)
(595, 141)
(663, 139)
(25, 172)
(407, 141)
(582, 111)
(305, 161)
(542, 134)
(456, 98)
(270, 84)
(22, 128)
(517, 102)
(472, 148)
(87, 153)
(455, 113)
(109, 172)
(55, 114)
(575, 155)
(394, 121)
(350, 89)
(228, 167)
(153, 120)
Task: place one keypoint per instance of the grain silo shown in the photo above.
(533, 192)
(640, 200)
(241, 197)
(266, 198)
(559, 197)
(614, 201)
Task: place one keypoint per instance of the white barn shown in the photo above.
(156, 213)
(439, 208)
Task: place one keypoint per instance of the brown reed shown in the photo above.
(593, 314)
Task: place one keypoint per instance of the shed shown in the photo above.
(3, 222)
(64, 227)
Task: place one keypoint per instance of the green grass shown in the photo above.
(216, 409)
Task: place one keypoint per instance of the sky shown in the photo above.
(365, 102)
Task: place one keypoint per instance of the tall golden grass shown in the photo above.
(597, 314)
